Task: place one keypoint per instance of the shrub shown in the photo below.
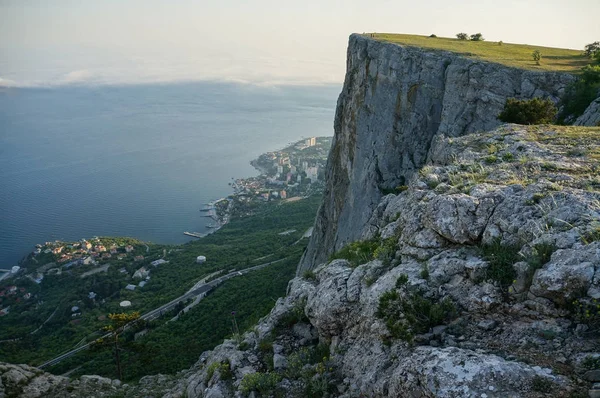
(462, 36)
(432, 35)
(542, 384)
(537, 56)
(424, 272)
(386, 250)
(362, 252)
(401, 281)
(501, 259)
(533, 111)
(591, 363)
(580, 94)
(357, 253)
(224, 369)
(407, 312)
(262, 383)
(477, 37)
(587, 311)
(592, 49)
(309, 275)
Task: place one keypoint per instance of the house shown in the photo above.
(141, 273)
(200, 260)
(138, 258)
(99, 248)
(130, 287)
(57, 250)
(158, 262)
(88, 260)
(106, 255)
(113, 250)
(128, 248)
(92, 295)
(142, 283)
(86, 245)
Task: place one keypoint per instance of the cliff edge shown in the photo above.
(394, 101)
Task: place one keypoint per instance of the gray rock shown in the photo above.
(592, 375)
(591, 116)
(395, 101)
(279, 362)
(487, 324)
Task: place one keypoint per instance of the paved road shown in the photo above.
(157, 312)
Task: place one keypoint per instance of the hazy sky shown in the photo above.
(49, 42)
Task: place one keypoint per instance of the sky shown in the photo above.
(59, 42)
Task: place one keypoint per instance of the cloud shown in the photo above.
(76, 76)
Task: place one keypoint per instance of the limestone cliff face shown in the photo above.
(395, 100)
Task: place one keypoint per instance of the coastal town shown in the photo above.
(79, 259)
(289, 174)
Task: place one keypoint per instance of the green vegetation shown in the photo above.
(533, 111)
(581, 93)
(591, 363)
(537, 56)
(515, 55)
(361, 252)
(501, 259)
(242, 243)
(586, 311)
(542, 384)
(357, 253)
(263, 383)
(406, 312)
(477, 37)
(224, 369)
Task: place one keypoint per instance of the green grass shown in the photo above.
(515, 55)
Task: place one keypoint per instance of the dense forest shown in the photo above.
(43, 327)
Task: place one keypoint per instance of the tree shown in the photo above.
(537, 56)
(462, 36)
(591, 49)
(477, 37)
(119, 323)
(533, 111)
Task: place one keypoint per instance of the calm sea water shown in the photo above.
(137, 160)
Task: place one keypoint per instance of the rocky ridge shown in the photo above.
(532, 192)
(477, 276)
(395, 100)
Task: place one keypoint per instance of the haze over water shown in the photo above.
(137, 160)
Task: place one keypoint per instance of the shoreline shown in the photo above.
(256, 190)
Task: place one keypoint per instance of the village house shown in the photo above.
(138, 258)
(128, 248)
(57, 250)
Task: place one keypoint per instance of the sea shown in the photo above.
(137, 160)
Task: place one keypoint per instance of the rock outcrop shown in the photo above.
(591, 116)
(395, 100)
(503, 228)
(471, 261)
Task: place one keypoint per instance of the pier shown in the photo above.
(195, 234)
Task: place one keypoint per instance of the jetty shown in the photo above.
(195, 234)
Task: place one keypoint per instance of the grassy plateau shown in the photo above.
(515, 55)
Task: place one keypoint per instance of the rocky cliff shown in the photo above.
(467, 253)
(395, 100)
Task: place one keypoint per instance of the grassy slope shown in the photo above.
(515, 55)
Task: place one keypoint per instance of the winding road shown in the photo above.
(196, 290)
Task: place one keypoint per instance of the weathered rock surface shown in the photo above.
(395, 100)
(591, 116)
(523, 327)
